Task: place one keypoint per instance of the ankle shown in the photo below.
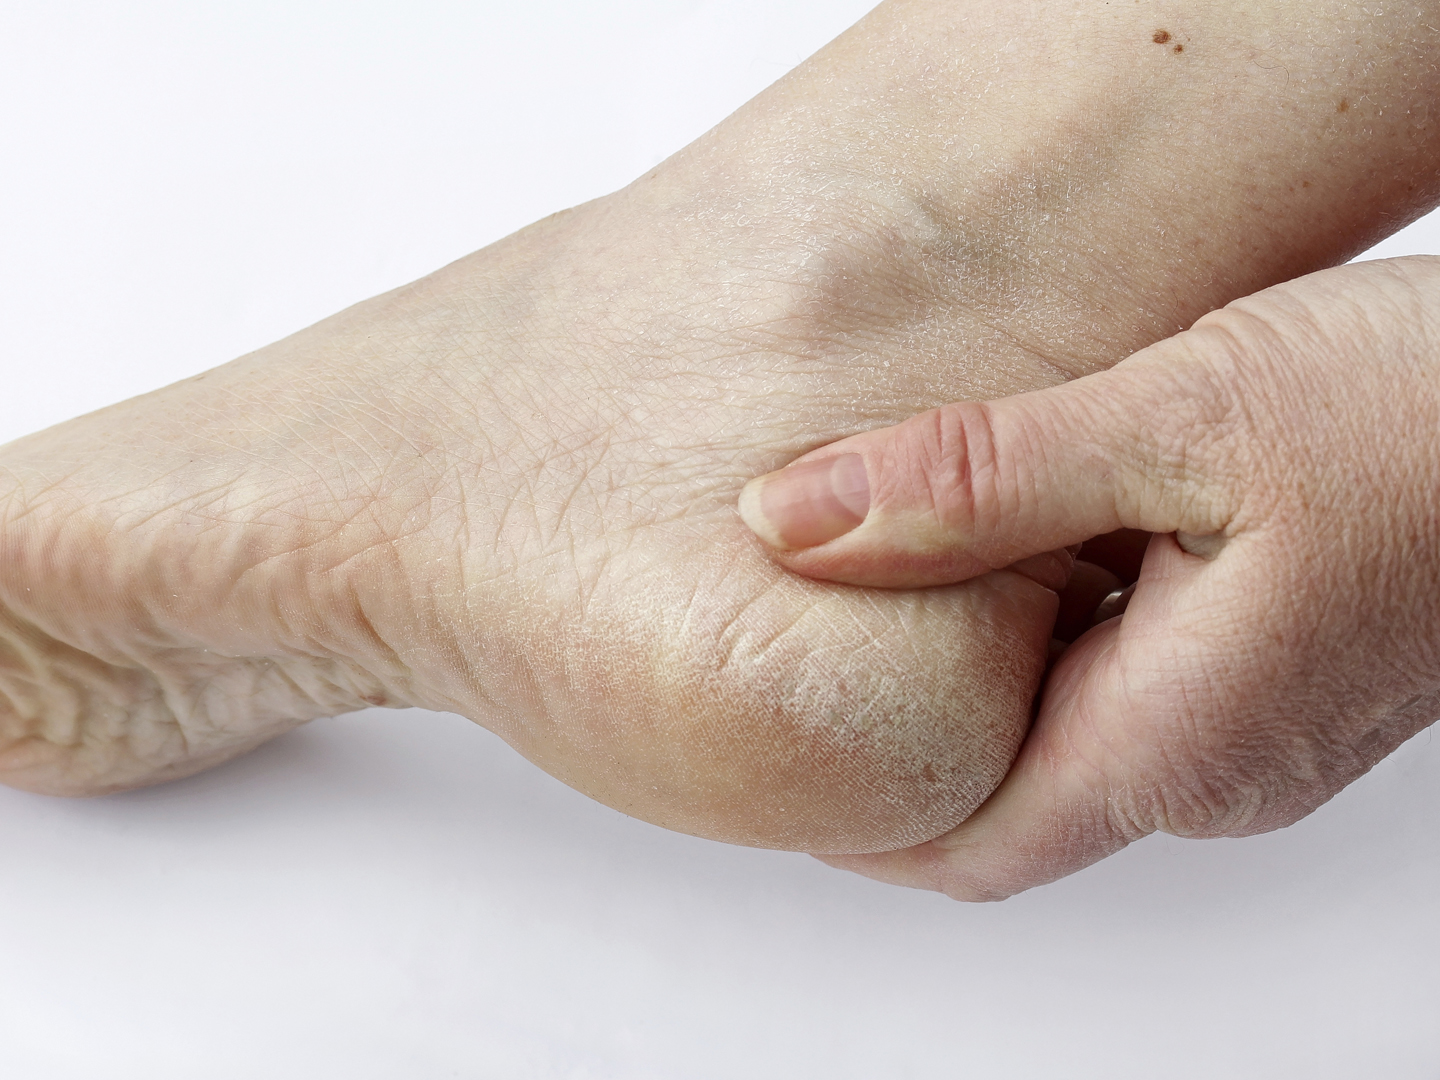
(1039, 166)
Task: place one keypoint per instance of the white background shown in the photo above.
(398, 894)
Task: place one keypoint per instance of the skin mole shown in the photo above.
(1161, 37)
(1344, 106)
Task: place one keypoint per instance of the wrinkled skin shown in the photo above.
(509, 489)
(1284, 634)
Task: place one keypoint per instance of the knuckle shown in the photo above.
(949, 466)
(1206, 807)
(1196, 772)
(1215, 448)
(1232, 778)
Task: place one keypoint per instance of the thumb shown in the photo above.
(976, 486)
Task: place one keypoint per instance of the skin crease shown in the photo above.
(509, 489)
(1285, 632)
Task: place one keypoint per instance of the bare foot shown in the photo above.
(508, 490)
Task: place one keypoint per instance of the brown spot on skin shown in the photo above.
(1305, 183)
(1179, 48)
(1161, 37)
(1344, 106)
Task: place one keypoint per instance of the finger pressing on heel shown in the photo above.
(972, 487)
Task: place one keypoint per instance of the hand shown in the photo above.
(1285, 632)
(508, 490)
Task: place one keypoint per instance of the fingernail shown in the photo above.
(807, 504)
(1113, 604)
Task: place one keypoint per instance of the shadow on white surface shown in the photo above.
(394, 894)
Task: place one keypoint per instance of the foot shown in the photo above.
(509, 489)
